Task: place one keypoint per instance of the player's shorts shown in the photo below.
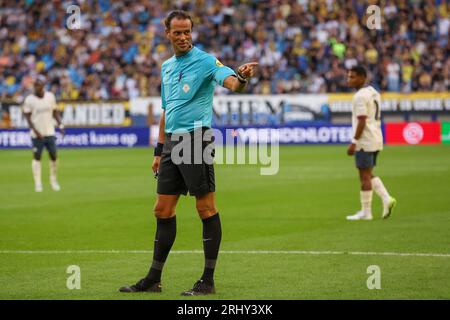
(49, 142)
(365, 160)
(184, 168)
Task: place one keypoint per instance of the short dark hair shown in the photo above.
(179, 14)
(359, 70)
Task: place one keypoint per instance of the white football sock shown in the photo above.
(380, 189)
(53, 167)
(36, 169)
(366, 202)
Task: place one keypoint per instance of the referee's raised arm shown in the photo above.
(244, 72)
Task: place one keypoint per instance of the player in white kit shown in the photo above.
(40, 111)
(367, 142)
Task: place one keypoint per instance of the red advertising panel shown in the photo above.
(413, 133)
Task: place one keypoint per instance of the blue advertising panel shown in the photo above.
(307, 134)
(81, 138)
(136, 137)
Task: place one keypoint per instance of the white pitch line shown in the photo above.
(287, 252)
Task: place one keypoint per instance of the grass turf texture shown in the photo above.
(106, 204)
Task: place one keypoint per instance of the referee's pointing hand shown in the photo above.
(248, 70)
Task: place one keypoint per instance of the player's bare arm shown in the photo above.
(245, 72)
(31, 125)
(157, 158)
(57, 117)
(358, 133)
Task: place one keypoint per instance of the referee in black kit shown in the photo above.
(187, 87)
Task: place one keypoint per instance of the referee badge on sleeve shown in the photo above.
(218, 63)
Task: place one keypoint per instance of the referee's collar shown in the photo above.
(186, 55)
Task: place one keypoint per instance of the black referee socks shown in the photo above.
(212, 235)
(166, 231)
(165, 236)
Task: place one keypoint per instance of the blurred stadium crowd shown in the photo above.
(302, 46)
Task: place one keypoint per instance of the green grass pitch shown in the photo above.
(106, 204)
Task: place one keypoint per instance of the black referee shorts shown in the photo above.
(186, 165)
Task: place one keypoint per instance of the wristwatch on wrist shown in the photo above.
(241, 78)
(354, 141)
(61, 126)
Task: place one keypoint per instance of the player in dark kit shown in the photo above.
(187, 88)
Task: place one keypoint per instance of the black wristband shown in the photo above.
(158, 150)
